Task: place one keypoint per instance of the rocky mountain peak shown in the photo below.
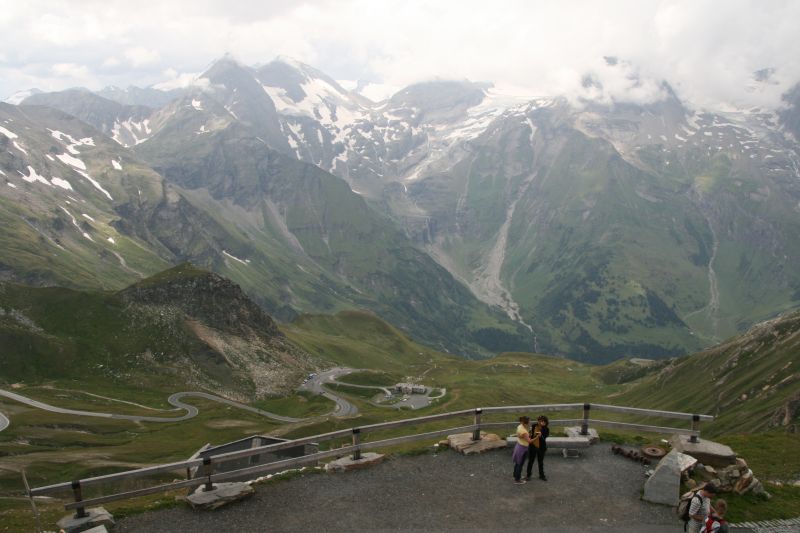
(203, 296)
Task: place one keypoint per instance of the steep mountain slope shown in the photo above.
(191, 326)
(333, 250)
(63, 184)
(750, 382)
(600, 230)
(610, 229)
(126, 124)
(297, 238)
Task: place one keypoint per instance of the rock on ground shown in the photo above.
(344, 464)
(222, 494)
(463, 443)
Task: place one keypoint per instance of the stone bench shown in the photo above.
(558, 442)
(568, 445)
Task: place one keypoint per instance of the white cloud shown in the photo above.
(707, 50)
(140, 56)
(70, 71)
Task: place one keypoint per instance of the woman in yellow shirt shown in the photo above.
(521, 448)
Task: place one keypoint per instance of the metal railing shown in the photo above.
(205, 465)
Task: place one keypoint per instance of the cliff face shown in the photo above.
(204, 297)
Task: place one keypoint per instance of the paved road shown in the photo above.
(343, 407)
(598, 491)
(174, 400)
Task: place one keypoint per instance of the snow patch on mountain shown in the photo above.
(71, 161)
(130, 130)
(95, 183)
(10, 134)
(34, 176)
(242, 261)
(116, 164)
(18, 147)
(64, 184)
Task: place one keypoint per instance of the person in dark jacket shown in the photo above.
(538, 446)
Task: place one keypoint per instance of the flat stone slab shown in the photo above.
(345, 464)
(98, 529)
(575, 431)
(706, 451)
(222, 494)
(664, 485)
(96, 517)
(463, 443)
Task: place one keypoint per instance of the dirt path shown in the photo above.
(447, 492)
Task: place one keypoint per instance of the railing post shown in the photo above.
(356, 441)
(585, 424)
(476, 434)
(80, 512)
(695, 427)
(208, 469)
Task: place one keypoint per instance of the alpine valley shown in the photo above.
(474, 219)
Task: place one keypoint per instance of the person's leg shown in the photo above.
(531, 460)
(540, 455)
(518, 467)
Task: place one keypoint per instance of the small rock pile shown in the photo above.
(738, 478)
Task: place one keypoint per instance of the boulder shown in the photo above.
(664, 485)
(345, 464)
(575, 431)
(221, 494)
(463, 443)
(706, 451)
(96, 517)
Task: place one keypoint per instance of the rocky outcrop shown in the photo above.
(204, 296)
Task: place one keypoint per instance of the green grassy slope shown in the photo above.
(750, 383)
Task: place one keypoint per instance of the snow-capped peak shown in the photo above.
(19, 96)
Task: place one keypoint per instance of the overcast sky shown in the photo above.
(707, 50)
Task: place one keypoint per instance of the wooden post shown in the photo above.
(476, 435)
(80, 512)
(695, 427)
(208, 469)
(356, 441)
(585, 424)
(33, 502)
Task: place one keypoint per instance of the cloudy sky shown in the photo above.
(707, 50)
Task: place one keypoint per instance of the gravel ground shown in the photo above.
(447, 492)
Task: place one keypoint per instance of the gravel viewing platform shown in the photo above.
(598, 491)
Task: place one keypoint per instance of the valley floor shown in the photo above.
(444, 492)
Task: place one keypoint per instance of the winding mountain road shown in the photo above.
(174, 400)
(343, 407)
(315, 385)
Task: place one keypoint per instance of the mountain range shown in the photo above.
(475, 219)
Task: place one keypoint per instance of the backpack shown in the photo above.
(683, 506)
(720, 523)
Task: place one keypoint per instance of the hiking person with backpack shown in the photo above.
(521, 448)
(716, 523)
(538, 446)
(700, 509)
